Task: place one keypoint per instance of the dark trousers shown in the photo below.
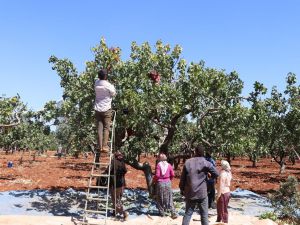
(211, 192)
(222, 208)
(116, 196)
(103, 120)
(190, 207)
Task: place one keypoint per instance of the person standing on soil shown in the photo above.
(104, 91)
(223, 192)
(211, 192)
(193, 185)
(118, 167)
(164, 173)
(59, 152)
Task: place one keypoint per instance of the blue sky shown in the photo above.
(258, 39)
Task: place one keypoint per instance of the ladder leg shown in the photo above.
(100, 202)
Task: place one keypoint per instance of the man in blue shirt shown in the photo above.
(194, 187)
(211, 192)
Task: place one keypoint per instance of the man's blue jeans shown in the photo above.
(190, 207)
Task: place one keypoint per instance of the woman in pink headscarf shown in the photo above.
(164, 174)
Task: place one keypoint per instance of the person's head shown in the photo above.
(225, 165)
(199, 150)
(119, 155)
(207, 154)
(162, 157)
(102, 74)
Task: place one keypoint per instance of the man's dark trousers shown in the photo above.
(190, 207)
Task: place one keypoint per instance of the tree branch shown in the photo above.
(159, 124)
(296, 153)
(145, 167)
(209, 111)
(11, 124)
(172, 129)
(206, 142)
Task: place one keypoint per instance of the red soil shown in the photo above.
(48, 172)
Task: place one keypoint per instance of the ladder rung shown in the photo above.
(100, 175)
(97, 199)
(95, 211)
(101, 164)
(100, 187)
(94, 223)
(98, 211)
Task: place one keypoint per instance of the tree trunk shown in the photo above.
(34, 156)
(281, 162)
(145, 167)
(176, 163)
(253, 159)
(228, 157)
(282, 167)
(175, 160)
(76, 154)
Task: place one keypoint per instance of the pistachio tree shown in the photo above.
(23, 128)
(10, 113)
(255, 120)
(157, 93)
(281, 130)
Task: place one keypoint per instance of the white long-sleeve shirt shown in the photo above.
(223, 185)
(105, 91)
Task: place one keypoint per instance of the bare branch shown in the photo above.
(11, 124)
(206, 142)
(126, 136)
(208, 112)
(172, 129)
(159, 124)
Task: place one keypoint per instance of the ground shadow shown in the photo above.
(57, 203)
(76, 166)
(7, 177)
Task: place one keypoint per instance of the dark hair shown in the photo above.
(102, 74)
(199, 150)
(207, 154)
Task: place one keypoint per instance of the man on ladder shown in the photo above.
(104, 91)
(98, 193)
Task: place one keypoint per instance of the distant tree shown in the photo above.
(281, 129)
(22, 128)
(255, 120)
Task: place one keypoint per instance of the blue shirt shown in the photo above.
(210, 159)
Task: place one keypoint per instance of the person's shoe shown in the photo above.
(174, 216)
(212, 206)
(161, 214)
(125, 216)
(105, 149)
